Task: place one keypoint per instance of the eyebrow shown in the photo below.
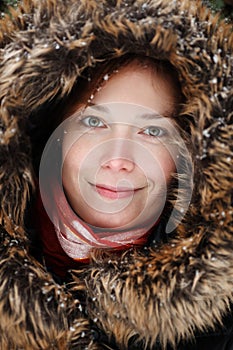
(100, 108)
(147, 116)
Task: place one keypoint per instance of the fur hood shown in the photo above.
(181, 286)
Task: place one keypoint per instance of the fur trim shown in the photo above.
(180, 286)
(36, 313)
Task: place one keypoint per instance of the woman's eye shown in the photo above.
(93, 122)
(154, 131)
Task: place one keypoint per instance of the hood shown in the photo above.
(185, 284)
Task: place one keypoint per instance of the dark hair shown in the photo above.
(94, 77)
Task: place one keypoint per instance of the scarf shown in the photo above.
(68, 240)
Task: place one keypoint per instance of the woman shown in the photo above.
(172, 289)
(107, 168)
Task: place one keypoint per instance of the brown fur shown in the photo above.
(180, 286)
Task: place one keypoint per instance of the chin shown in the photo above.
(110, 224)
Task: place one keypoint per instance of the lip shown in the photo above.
(112, 192)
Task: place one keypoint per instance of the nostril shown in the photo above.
(119, 164)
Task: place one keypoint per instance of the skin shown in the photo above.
(118, 155)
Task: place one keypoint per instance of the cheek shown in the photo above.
(168, 166)
(73, 157)
(161, 166)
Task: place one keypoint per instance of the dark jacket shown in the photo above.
(173, 294)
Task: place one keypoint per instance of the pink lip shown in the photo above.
(113, 192)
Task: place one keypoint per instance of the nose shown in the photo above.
(119, 165)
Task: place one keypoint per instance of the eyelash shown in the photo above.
(86, 122)
(162, 131)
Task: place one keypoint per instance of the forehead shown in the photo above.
(134, 83)
(139, 85)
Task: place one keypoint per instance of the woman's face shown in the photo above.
(119, 153)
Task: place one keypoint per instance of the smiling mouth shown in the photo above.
(115, 192)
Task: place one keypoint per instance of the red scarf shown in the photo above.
(68, 240)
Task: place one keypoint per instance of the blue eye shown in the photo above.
(93, 122)
(154, 131)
